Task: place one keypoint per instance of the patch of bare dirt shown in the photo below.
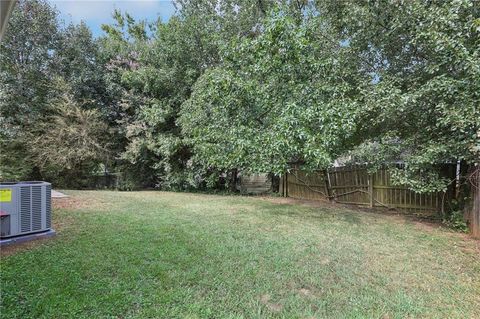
(274, 307)
(469, 245)
(71, 203)
(324, 261)
(305, 292)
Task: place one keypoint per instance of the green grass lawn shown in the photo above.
(176, 255)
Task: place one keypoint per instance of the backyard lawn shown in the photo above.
(180, 255)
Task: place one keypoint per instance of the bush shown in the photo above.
(455, 220)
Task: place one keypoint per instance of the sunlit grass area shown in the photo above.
(179, 255)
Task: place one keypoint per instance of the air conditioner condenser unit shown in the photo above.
(25, 208)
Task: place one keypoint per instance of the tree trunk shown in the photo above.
(233, 180)
(276, 183)
(475, 212)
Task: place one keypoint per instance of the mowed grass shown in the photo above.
(177, 255)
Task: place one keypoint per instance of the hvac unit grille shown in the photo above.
(36, 207)
(28, 210)
(48, 206)
(25, 209)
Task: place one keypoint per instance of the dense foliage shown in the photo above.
(424, 109)
(79, 139)
(285, 95)
(228, 86)
(42, 64)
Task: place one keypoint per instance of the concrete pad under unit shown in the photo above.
(57, 194)
(27, 237)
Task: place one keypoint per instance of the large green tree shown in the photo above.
(286, 95)
(424, 57)
(80, 63)
(36, 54)
(155, 66)
(254, 85)
(26, 67)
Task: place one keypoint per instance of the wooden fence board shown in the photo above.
(354, 185)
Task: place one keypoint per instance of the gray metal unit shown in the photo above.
(25, 208)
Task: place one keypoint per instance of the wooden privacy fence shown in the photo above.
(354, 185)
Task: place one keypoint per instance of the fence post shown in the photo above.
(370, 188)
(327, 184)
(281, 185)
(285, 189)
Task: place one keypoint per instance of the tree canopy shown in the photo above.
(285, 95)
(244, 85)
